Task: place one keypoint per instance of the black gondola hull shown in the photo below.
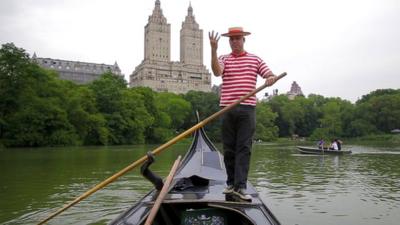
(201, 200)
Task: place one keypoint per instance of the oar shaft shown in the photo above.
(163, 193)
(158, 150)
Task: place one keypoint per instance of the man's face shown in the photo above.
(236, 43)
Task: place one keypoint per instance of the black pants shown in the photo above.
(238, 127)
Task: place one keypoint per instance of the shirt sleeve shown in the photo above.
(263, 69)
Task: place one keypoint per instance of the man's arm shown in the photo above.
(267, 74)
(214, 58)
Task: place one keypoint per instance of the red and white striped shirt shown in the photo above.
(239, 77)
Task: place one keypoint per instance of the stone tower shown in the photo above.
(191, 49)
(157, 71)
(157, 36)
(295, 90)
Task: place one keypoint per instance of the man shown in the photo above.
(239, 71)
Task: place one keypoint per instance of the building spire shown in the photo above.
(190, 9)
(157, 16)
(190, 21)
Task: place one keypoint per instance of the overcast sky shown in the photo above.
(335, 48)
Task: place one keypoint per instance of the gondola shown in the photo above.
(317, 151)
(196, 195)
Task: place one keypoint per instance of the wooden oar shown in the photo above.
(163, 193)
(158, 150)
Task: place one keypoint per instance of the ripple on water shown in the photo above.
(362, 188)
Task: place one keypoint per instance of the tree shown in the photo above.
(123, 109)
(377, 93)
(158, 131)
(277, 104)
(90, 125)
(39, 123)
(293, 114)
(14, 63)
(331, 123)
(381, 109)
(206, 103)
(32, 100)
(266, 130)
(175, 106)
(108, 92)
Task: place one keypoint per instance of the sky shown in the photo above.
(334, 48)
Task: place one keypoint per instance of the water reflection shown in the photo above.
(47, 179)
(362, 188)
(337, 187)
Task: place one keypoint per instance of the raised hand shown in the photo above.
(214, 38)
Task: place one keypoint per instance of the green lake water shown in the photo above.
(361, 188)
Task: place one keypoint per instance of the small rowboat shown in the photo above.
(317, 151)
(196, 195)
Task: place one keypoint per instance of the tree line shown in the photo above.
(38, 109)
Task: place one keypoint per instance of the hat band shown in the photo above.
(236, 31)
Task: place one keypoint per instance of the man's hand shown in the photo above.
(214, 38)
(271, 80)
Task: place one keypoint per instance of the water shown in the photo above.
(362, 188)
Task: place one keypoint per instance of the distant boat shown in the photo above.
(196, 196)
(395, 131)
(317, 151)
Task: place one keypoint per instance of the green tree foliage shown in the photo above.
(294, 114)
(312, 114)
(277, 103)
(206, 103)
(299, 116)
(266, 130)
(108, 92)
(330, 123)
(14, 66)
(39, 123)
(124, 110)
(31, 103)
(334, 113)
(90, 125)
(377, 93)
(159, 131)
(381, 109)
(175, 107)
(39, 109)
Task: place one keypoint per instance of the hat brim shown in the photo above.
(236, 34)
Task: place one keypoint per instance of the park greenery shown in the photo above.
(38, 109)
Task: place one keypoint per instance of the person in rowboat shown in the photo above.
(239, 71)
(339, 144)
(334, 146)
(321, 144)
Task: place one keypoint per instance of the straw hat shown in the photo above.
(236, 31)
